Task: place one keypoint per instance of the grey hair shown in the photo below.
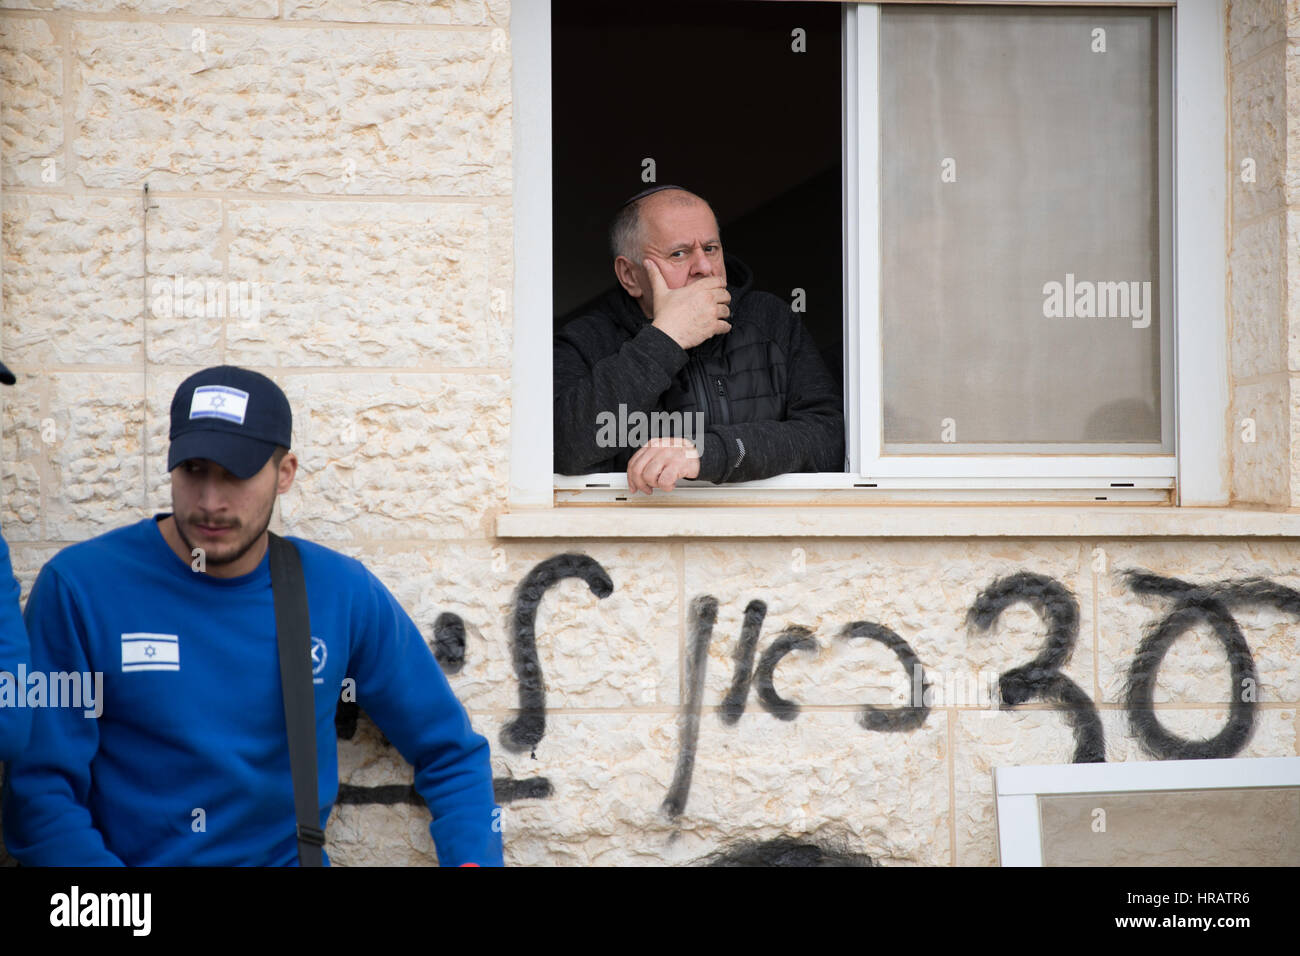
(627, 231)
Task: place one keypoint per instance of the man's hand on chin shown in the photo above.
(660, 463)
(692, 313)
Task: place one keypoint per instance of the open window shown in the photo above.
(1004, 242)
(756, 132)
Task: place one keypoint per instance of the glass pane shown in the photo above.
(1025, 230)
(1173, 828)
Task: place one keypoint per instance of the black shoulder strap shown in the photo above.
(293, 634)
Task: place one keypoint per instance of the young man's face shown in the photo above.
(222, 514)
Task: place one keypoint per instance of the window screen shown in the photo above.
(1025, 233)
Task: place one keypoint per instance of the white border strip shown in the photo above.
(864, 312)
(1017, 789)
(532, 450)
(1200, 210)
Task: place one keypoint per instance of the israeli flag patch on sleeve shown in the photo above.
(219, 401)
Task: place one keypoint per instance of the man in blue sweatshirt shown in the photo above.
(189, 763)
(15, 716)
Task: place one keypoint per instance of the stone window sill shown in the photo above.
(912, 521)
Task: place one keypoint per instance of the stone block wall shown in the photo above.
(343, 170)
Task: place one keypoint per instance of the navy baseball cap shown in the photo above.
(6, 377)
(229, 415)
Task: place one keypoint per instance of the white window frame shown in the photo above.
(1196, 469)
(1017, 789)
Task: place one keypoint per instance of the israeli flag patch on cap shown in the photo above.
(219, 401)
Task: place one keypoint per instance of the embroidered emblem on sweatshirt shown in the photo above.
(142, 651)
(318, 655)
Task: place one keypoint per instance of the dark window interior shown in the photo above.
(713, 92)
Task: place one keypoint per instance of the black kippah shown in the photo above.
(650, 192)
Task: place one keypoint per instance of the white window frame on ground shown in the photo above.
(1194, 473)
(1017, 789)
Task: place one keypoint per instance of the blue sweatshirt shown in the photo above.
(15, 720)
(189, 762)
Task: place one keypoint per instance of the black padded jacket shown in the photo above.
(769, 404)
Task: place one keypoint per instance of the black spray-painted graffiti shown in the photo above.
(525, 731)
(1042, 678)
(1039, 679)
(1213, 604)
(787, 851)
(703, 616)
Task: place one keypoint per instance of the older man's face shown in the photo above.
(683, 241)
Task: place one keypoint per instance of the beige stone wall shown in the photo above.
(353, 161)
(1264, 285)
